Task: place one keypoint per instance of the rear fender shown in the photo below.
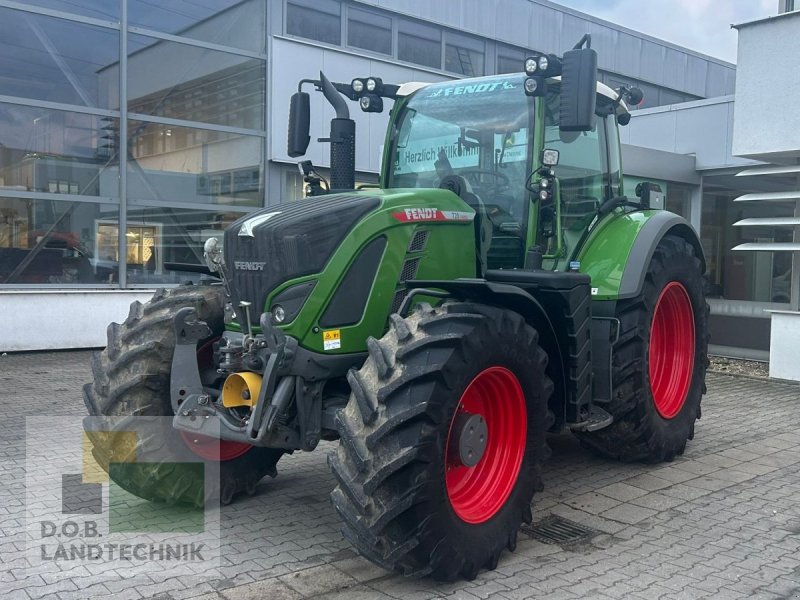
(617, 254)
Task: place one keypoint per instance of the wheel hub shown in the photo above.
(472, 436)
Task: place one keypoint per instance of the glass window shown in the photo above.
(319, 20)
(57, 151)
(755, 276)
(227, 22)
(200, 85)
(99, 9)
(187, 165)
(369, 31)
(510, 60)
(48, 241)
(480, 132)
(678, 200)
(162, 242)
(419, 44)
(51, 59)
(581, 166)
(464, 55)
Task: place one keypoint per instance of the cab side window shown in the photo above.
(582, 168)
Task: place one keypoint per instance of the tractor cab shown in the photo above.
(485, 139)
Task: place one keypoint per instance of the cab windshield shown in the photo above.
(478, 129)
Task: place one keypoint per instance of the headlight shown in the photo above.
(278, 313)
(212, 252)
(530, 85)
(371, 84)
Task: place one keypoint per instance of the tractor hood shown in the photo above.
(287, 241)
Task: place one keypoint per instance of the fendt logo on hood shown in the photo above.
(245, 265)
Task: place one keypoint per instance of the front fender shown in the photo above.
(617, 253)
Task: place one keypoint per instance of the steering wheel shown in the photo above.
(475, 177)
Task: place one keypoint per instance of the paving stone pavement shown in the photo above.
(722, 521)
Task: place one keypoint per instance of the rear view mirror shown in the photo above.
(299, 122)
(578, 90)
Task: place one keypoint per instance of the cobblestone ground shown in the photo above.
(723, 521)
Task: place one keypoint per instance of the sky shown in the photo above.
(701, 25)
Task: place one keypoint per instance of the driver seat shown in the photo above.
(483, 226)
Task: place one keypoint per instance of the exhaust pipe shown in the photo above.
(342, 139)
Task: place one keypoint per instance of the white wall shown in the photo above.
(59, 319)
(703, 128)
(767, 119)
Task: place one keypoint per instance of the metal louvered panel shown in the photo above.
(769, 197)
(768, 222)
(769, 247)
(779, 170)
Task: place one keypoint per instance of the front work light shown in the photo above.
(531, 65)
(549, 157)
(373, 84)
(371, 103)
(357, 85)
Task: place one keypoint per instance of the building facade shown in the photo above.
(131, 131)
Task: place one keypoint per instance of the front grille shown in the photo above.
(399, 296)
(409, 269)
(418, 242)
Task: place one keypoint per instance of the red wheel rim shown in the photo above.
(205, 447)
(477, 493)
(671, 354)
(211, 448)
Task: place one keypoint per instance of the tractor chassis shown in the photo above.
(289, 372)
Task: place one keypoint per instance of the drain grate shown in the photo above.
(557, 530)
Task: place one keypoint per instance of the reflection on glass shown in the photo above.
(510, 60)
(754, 276)
(464, 55)
(315, 19)
(181, 164)
(58, 152)
(107, 10)
(173, 80)
(419, 44)
(51, 59)
(369, 31)
(47, 241)
(225, 22)
(165, 245)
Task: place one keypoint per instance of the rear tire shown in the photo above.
(659, 363)
(132, 379)
(400, 506)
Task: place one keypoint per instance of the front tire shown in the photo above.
(409, 500)
(132, 379)
(659, 363)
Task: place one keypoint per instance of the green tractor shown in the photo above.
(497, 285)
